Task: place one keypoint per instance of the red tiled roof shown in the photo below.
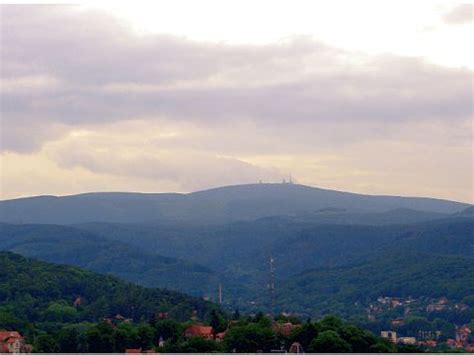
(220, 335)
(202, 330)
(9, 334)
(133, 350)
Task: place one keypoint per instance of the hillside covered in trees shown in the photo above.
(195, 259)
(66, 309)
(35, 293)
(348, 290)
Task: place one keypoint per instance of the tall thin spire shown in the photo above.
(272, 283)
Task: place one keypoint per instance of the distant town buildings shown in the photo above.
(401, 308)
(464, 339)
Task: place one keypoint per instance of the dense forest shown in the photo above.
(65, 309)
(195, 259)
(35, 294)
(73, 246)
(344, 290)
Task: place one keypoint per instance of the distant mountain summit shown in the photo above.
(223, 204)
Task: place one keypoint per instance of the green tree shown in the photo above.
(200, 345)
(125, 336)
(169, 330)
(45, 343)
(251, 338)
(218, 322)
(359, 339)
(60, 312)
(100, 338)
(145, 336)
(68, 340)
(329, 342)
(382, 346)
(331, 323)
(305, 334)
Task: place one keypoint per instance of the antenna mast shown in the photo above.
(220, 293)
(272, 283)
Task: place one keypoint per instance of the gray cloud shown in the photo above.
(460, 14)
(66, 68)
(190, 170)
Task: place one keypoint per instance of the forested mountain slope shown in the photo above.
(67, 245)
(36, 291)
(345, 290)
(199, 257)
(231, 203)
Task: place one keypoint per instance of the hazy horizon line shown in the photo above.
(282, 183)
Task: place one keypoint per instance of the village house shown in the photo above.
(220, 337)
(198, 330)
(13, 342)
(435, 307)
(396, 302)
(296, 348)
(407, 340)
(284, 328)
(463, 339)
(392, 302)
(77, 302)
(397, 322)
(451, 343)
(443, 300)
(163, 315)
(428, 343)
(133, 351)
(117, 319)
(463, 334)
(461, 307)
(161, 342)
(441, 305)
(428, 334)
(390, 335)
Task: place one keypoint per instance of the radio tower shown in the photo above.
(272, 283)
(220, 293)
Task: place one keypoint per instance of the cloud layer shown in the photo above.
(460, 14)
(200, 114)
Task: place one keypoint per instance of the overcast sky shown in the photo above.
(368, 96)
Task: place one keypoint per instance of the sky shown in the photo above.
(370, 96)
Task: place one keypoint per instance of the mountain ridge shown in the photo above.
(225, 187)
(221, 204)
